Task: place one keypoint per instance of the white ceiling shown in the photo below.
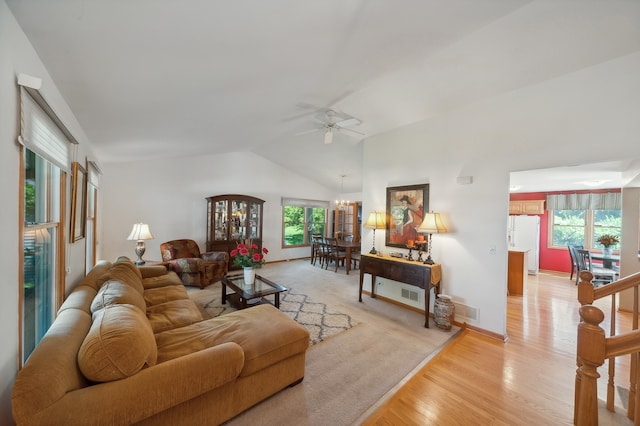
(150, 78)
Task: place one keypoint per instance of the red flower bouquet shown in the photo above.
(248, 255)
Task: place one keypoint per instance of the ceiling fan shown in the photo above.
(335, 122)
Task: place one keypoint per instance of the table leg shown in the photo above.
(348, 259)
(224, 293)
(427, 296)
(277, 300)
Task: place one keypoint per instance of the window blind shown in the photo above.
(94, 174)
(299, 202)
(586, 201)
(39, 131)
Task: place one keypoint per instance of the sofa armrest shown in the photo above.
(151, 391)
(152, 271)
(215, 256)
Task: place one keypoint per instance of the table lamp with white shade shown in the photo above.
(432, 224)
(139, 233)
(376, 220)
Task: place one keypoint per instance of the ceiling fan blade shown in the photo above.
(348, 122)
(306, 132)
(344, 129)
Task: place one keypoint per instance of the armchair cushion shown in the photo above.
(193, 267)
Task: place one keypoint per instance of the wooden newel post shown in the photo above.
(591, 355)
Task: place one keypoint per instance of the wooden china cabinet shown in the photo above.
(233, 218)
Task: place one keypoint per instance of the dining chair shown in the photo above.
(572, 256)
(600, 275)
(316, 251)
(335, 254)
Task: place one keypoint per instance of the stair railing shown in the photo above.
(594, 347)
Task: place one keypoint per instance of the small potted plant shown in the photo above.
(608, 241)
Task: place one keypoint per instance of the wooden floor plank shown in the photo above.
(527, 380)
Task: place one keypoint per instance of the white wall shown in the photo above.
(170, 195)
(18, 56)
(629, 261)
(587, 116)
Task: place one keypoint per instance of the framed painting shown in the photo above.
(406, 206)
(78, 202)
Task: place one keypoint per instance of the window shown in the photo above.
(581, 218)
(45, 162)
(301, 219)
(584, 227)
(92, 216)
(41, 234)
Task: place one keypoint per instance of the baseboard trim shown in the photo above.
(502, 337)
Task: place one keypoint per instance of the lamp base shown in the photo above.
(140, 249)
(373, 251)
(429, 261)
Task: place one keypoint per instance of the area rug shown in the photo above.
(351, 373)
(322, 320)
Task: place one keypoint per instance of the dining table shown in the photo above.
(608, 260)
(349, 247)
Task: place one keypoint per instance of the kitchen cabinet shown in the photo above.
(517, 272)
(526, 207)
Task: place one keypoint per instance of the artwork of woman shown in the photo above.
(407, 217)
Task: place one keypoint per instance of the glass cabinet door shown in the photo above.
(221, 220)
(239, 220)
(254, 220)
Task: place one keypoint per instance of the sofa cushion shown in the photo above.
(176, 313)
(114, 292)
(125, 272)
(266, 335)
(156, 296)
(119, 344)
(167, 279)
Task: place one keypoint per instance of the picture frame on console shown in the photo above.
(78, 202)
(406, 206)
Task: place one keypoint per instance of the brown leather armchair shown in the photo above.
(194, 268)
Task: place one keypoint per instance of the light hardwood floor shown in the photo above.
(478, 380)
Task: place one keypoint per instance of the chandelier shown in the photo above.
(342, 204)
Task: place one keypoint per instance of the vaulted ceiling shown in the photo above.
(150, 78)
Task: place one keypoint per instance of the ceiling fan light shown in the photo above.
(328, 137)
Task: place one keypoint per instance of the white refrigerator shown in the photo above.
(524, 233)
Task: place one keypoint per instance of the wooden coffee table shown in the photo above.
(245, 296)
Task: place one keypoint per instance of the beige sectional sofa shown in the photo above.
(128, 346)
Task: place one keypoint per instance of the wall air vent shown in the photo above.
(408, 294)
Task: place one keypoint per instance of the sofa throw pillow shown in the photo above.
(120, 343)
(125, 272)
(114, 292)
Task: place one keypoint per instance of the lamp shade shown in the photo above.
(432, 224)
(376, 220)
(139, 232)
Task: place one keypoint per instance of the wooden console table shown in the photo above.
(409, 272)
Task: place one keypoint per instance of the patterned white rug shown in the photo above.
(322, 320)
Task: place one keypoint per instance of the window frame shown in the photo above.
(307, 214)
(59, 255)
(589, 229)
